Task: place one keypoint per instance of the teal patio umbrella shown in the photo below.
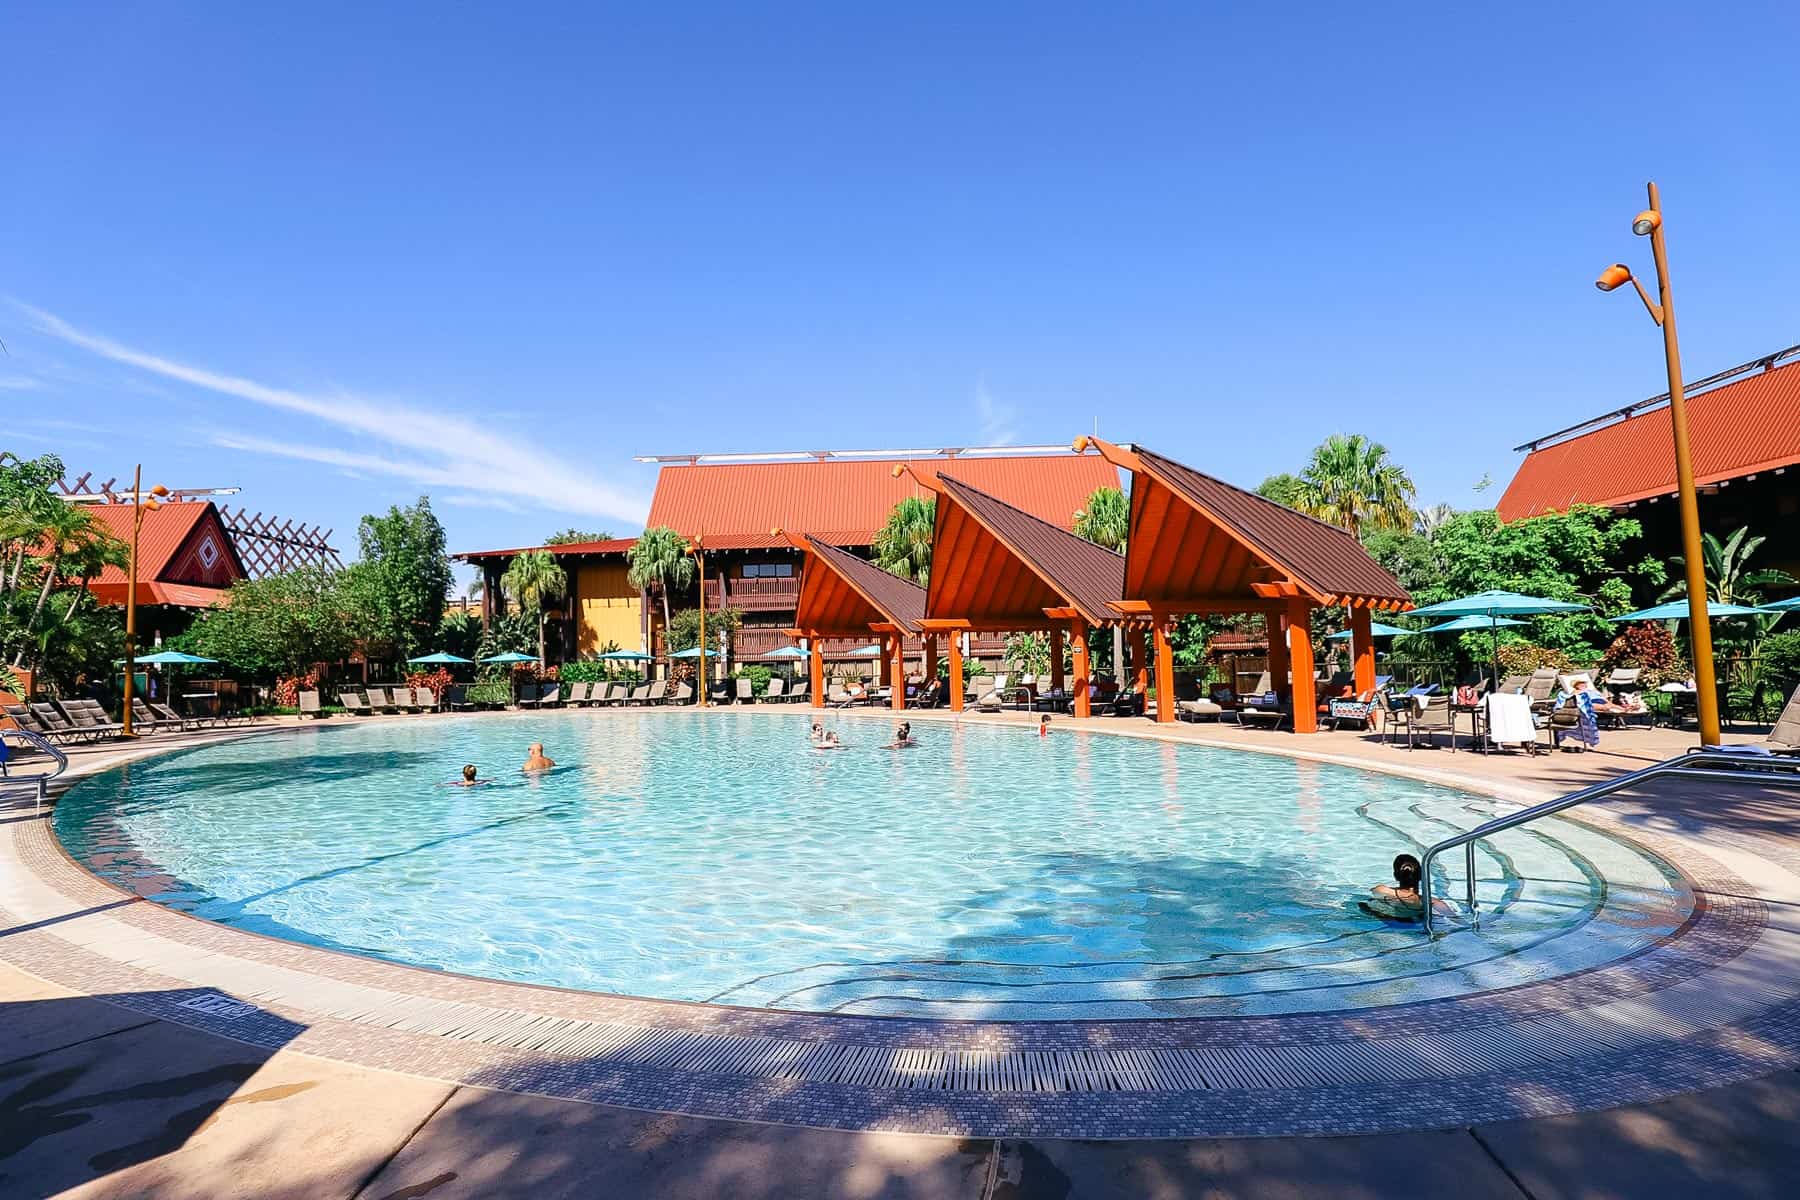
(1791, 604)
(1495, 604)
(165, 658)
(1677, 610)
(786, 652)
(865, 652)
(511, 656)
(440, 657)
(1464, 624)
(1376, 630)
(693, 652)
(625, 656)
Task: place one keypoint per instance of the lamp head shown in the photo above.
(1080, 444)
(1614, 276)
(1646, 222)
(775, 532)
(899, 470)
(151, 505)
(159, 490)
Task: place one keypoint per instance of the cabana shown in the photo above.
(996, 568)
(843, 596)
(1200, 545)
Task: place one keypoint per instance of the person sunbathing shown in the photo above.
(537, 760)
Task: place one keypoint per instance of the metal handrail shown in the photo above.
(39, 742)
(1746, 768)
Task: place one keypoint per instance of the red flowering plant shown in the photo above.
(436, 680)
(1650, 646)
(287, 691)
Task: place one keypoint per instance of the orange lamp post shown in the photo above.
(1649, 223)
(139, 506)
(694, 548)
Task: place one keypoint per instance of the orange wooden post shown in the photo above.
(1140, 663)
(897, 673)
(816, 670)
(1278, 655)
(1362, 651)
(1056, 651)
(956, 671)
(1078, 635)
(1300, 654)
(1165, 674)
(930, 640)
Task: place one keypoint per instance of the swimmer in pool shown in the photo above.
(828, 741)
(903, 738)
(468, 778)
(818, 734)
(1403, 894)
(1044, 726)
(538, 761)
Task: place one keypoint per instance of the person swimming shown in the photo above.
(538, 761)
(828, 741)
(1403, 894)
(903, 738)
(1044, 726)
(468, 778)
(818, 733)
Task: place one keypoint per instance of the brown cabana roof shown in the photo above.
(842, 595)
(1199, 540)
(1000, 567)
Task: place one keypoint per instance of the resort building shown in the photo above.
(743, 508)
(1744, 430)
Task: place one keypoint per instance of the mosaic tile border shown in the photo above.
(1606, 1036)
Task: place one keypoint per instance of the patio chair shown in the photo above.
(1433, 717)
(776, 692)
(456, 699)
(309, 706)
(353, 704)
(1541, 687)
(143, 718)
(746, 691)
(88, 714)
(169, 716)
(681, 693)
(1345, 710)
(801, 692)
(1514, 685)
(1197, 710)
(1266, 709)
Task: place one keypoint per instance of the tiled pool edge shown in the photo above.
(1248, 1075)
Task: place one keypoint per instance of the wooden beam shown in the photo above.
(1078, 635)
(956, 674)
(1062, 614)
(1362, 651)
(816, 669)
(945, 624)
(1300, 654)
(897, 672)
(1165, 676)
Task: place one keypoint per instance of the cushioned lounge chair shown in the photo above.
(1198, 710)
(746, 691)
(48, 715)
(89, 715)
(143, 718)
(309, 706)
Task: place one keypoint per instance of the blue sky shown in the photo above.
(339, 257)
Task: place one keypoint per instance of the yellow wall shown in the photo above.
(606, 609)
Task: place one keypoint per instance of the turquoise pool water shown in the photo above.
(987, 873)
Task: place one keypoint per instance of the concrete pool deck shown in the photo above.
(112, 1083)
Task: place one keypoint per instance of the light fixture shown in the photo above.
(1614, 276)
(1646, 222)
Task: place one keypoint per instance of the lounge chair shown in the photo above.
(1784, 735)
(1541, 687)
(47, 715)
(1514, 685)
(353, 704)
(1433, 717)
(550, 696)
(611, 693)
(456, 699)
(1348, 709)
(929, 696)
(989, 692)
(1198, 710)
(411, 699)
(720, 692)
(309, 706)
(638, 694)
(591, 694)
(801, 692)
(89, 715)
(169, 716)
(25, 719)
(746, 691)
(682, 693)
(1267, 709)
(658, 692)
(378, 700)
(776, 692)
(143, 718)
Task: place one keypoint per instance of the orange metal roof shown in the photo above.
(610, 546)
(160, 537)
(1740, 428)
(1042, 565)
(845, 501)
(841, 595)
(180, 595)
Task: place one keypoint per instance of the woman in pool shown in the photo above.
(818, 733)
(1401, 896)
(828, 741)
(903, 738)
(468, 779)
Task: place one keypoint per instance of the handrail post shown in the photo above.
(1469, 846)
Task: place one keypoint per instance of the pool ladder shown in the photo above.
(44, 745)
(1707, 764)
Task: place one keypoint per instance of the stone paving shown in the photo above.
(480, 1117)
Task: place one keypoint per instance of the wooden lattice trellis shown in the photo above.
(266, 545)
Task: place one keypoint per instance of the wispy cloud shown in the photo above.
(997, 418)
(435, 448)
(464, 500)
(19, 383)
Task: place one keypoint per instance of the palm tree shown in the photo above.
(74, 546)
(534, 577)
(1104, 520)
(1729, 579)
(659, 558)
(1351, 483)
(903, 546)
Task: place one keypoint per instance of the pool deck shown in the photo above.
(126, 1070)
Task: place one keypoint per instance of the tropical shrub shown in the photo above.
(1522, 658)
(1650, 646)
(1780, 654)
(436, 680)
(584, 670)
(289, 687)
(1027, 654)
(759, 677)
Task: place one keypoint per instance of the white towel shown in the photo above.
(1509, 718)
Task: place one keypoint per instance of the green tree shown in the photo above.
(1283, 489)
(27, 505)
(1105, 519)
(1730, 579)
(281, 624)
(405, 573)
(71, 547)
(569, 537)
(659, 559)
(532, 578)
(1352, 483)
(903, 544)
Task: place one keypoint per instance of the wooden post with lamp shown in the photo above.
(138, 506)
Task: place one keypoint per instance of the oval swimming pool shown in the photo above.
(987, 873)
